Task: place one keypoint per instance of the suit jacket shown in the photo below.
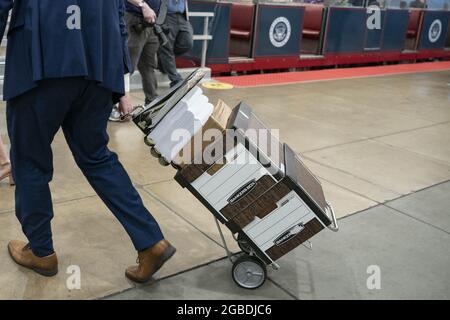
(41, 45)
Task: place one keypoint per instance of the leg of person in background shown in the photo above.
(166, 54)
(147, 65)
(5, 164)
(82, 108)
(184, 41)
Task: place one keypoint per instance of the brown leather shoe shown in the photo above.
(21, 253)
(150, 261)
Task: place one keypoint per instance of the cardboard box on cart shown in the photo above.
(215, 126)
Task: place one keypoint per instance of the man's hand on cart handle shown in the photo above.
(126, 109)
(125, 106)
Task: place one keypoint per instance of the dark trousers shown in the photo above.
(81, 108)
(180, 42)
(143, 45)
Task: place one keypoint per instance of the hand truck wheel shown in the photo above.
(149, 141)
(162, 161)
(243, 244)
(155, 152)
(249, 272)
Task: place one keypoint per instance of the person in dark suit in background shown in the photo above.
(143, 45)
(180, 39)
(403, 4)
(420, 4)
(65, 65)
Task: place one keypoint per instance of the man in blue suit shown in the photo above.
(65, 66)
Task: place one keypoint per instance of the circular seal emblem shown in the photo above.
(280, 32)
(434, 33)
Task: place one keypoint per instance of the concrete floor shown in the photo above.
(408, 239)
(369, 140)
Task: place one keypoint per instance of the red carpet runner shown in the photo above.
(331, 74)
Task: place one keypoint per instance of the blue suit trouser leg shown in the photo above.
(82, 109)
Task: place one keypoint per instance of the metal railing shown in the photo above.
(205, 37)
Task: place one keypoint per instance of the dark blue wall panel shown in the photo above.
(434, 29)
(374, 36)
(288, 21)
(219, 28)
(346, 30)
(395, 28)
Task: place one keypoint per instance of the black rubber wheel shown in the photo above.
(163, 162)
(148, 141)
(243, 244)
(249, 272)
(155, 152)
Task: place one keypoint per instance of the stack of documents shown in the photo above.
(182, 122)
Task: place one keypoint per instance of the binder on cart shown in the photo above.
(151, 115)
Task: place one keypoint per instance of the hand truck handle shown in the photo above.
(334, 227)
(130, 115)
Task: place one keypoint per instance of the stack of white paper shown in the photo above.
(181, 123)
